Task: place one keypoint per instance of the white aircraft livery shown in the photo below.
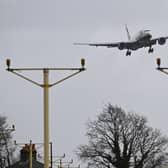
(142, 39)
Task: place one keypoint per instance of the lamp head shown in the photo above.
(158, 61)
(8, 63)
(82, 62)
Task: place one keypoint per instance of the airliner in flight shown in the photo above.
(142, 39)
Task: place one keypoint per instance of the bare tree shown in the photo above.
(122, 140)
(6, 149)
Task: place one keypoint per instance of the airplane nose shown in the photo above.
(146, 30)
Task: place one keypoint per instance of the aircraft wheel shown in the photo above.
(128, 53)
(150, 50)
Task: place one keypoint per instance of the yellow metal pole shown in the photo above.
(45, 87)
(30, 154)
(60, 163)
(46, 119)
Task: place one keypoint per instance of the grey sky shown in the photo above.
(41, 33)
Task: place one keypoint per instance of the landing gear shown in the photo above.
(128, 53)
(150, 50)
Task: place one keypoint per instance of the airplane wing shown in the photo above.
(130, 45)
(159, 40)
(119, 45)
(99, 44)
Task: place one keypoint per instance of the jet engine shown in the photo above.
(161, 40)
(121, 46)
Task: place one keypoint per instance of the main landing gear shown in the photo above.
(150, 50)
(128, 53)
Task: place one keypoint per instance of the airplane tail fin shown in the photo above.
(128, 34)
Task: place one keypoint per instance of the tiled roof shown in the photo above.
(35, 164)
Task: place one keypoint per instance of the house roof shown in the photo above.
(25, 164)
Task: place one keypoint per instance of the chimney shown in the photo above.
(25, 152)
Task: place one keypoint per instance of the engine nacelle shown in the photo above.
(121, 46)
(162, 41)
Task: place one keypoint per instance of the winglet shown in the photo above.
(128, 34)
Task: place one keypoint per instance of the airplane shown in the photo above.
(142, 39)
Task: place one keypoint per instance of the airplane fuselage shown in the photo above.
(140, 39)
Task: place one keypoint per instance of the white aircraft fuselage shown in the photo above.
(140, 38)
